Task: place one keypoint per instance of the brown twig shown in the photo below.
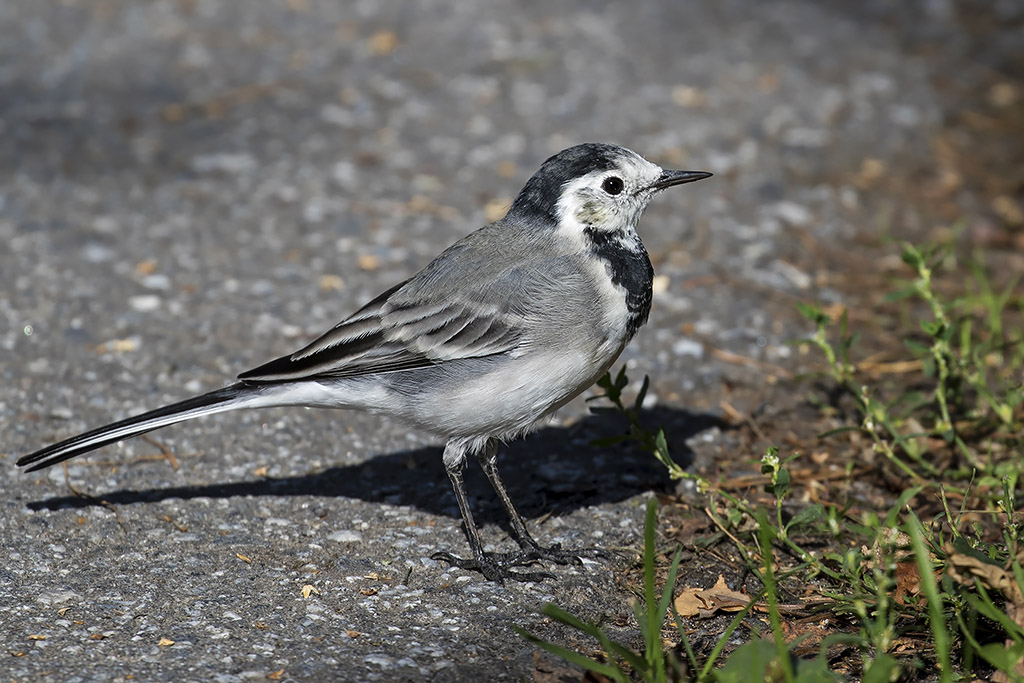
(165, 452)
(93, 499)
(747, 361)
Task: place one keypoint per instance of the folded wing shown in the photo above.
(399, 331)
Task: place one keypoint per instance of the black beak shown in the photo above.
(670, 178)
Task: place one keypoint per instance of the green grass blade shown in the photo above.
(609, 646)
(930, 589)
(726, 634)
(653, 651)
(766, 535)
(881, 670)
(987, 608)
(749, 662)
(670, 583)
(612, 672)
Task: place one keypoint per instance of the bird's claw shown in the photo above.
(496, 566)
(555, 553)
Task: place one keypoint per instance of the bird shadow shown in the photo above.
(554, 470)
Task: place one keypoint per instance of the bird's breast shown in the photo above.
(629, 272)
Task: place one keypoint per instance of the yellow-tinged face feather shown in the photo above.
(609, 200)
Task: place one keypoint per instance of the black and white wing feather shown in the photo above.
(426, 320)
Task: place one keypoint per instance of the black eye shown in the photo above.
(612, 185)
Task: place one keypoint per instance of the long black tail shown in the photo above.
(228, 398)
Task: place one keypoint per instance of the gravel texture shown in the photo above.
(189, 188)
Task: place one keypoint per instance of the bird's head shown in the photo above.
(598, 187)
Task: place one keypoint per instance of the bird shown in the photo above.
(501, 329)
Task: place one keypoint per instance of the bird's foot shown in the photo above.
(496, 566)
(555, 553)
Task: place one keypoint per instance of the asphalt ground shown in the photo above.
(190, 188)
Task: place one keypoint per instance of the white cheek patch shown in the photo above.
(581, 204)
(574, 198)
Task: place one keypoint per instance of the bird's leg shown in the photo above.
(493, 566)
(488, 458)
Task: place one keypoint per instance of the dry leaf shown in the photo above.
(118, 346)
(352, 634)
(37, 637)
(705, 602)
(180, 527)
(276, 675)
(243, 558)
(308, 590)
(1009, 210)
(1003, 94)
(996, 577)
(871, 170)
(174, 113)
(810, 634)
(687, 97)
(908, 581)
(508, 170)
(991, 575)
(165, 642)
(496, 208)
(383, 43)
(331, 283)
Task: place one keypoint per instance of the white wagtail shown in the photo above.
(504, 327)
